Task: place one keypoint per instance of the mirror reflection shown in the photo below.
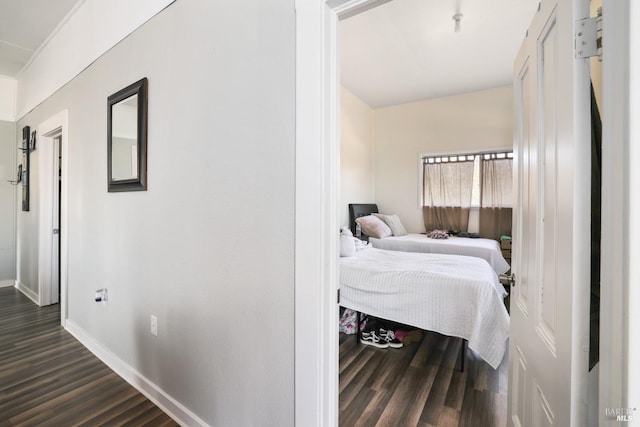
(127, 138)
(124, 147)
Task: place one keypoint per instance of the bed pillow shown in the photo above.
(394, 223)
(373, 226)
(347, 245)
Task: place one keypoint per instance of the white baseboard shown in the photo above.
(168, 404)
(28, 292)
(7, 283)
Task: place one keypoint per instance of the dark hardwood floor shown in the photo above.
(47, 378)
(419, 385)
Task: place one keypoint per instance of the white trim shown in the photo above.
(633, 302)
(47, 130)
(344, 9)
(168, 404)
(316, 367)
(613, 381)
(619, 298)
(27, 292)
(46, 203)
(316, 210)
(7, 118)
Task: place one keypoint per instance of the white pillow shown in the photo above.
(347, 245)
(345, 231)
(373, 227)
(394, 223)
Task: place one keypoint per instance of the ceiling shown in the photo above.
(407, 50)
(24, 26)
(402, 51)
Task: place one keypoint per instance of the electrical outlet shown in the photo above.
(101, 295)
(154, 325)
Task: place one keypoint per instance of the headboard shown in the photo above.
(356, 210)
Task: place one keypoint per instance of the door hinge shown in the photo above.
(338, 296)
(588, 37)
(56, 231)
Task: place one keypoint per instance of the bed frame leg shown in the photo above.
(358, 330)
(463, 354)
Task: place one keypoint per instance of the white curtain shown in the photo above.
(447, 189)
(496, 187)
(496, 197)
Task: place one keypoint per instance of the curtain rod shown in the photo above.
(466, 157)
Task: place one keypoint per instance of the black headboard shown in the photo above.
(356, 210)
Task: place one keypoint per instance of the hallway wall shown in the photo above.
(7, 200)
(208, 249)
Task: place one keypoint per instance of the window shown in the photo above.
(448, 181)
(454, 185)
(485, 177)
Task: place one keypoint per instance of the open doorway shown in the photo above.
(56, 211)
(53, 201)
(388, 147)
(317, 113)
(397, 106)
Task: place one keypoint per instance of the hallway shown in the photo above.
(47, 377)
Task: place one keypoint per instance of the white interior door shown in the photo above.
(49, 211)
(549, 300)
(55, 247)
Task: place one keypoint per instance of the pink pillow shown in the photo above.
(373, 227)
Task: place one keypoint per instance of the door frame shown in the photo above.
(317, 184)
(55, 126)
(316, 207)
(620, 246)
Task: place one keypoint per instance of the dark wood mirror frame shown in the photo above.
(138, 183)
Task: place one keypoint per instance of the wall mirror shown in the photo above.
(127, 138)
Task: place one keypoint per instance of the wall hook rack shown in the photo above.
(18, 179)
(27, 146)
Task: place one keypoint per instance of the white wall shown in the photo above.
(356, 153)
(7, 208)
(468, 122)
(7, 99)
(27, 222)
(208, 248)
(88, 31)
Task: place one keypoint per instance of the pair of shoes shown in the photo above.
(373, 338)
(390, 337)
(380, 338)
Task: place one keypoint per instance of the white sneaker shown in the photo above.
(372, 338)
(390, 338)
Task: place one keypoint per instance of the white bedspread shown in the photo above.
(487, 249)
(450, 294)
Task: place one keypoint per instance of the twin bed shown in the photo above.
(487, 249)
(455, 292)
